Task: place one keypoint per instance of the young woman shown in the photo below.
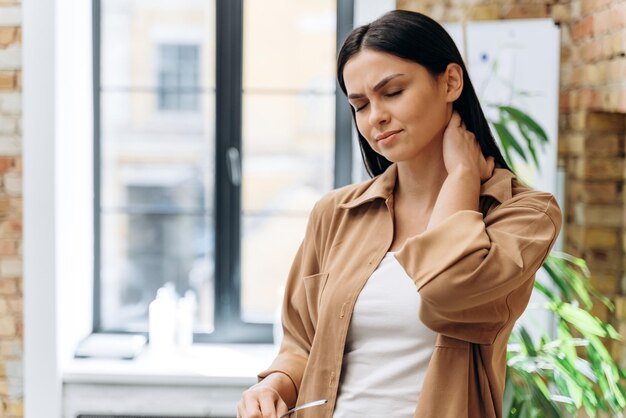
(406, 287)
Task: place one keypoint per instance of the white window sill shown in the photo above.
(202, 364)
(205, 381)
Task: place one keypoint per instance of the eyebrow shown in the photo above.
(378, 85)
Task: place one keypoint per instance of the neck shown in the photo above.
(420, 178)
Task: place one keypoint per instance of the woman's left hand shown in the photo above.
(461, 150)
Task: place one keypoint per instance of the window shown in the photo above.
(214, 135)
(178, 76)
(155, 142)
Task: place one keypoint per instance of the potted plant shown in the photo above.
(574, 371)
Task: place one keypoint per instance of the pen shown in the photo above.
(306, 405)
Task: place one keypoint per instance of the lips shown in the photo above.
(386, 134)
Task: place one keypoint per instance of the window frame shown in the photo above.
(228, 324)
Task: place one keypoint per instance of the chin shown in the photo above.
(393, 157)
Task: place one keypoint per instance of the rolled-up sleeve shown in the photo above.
(466, 266)
(298, 327)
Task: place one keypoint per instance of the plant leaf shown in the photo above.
(529, 144)
(582, 320)
(524, 119)
(506, 136)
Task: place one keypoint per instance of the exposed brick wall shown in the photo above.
(592, 108)
(11, 319)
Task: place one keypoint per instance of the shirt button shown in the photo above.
(343, 310)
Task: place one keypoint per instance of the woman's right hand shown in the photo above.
(261, 401)
(461, 149)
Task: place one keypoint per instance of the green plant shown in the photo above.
(550, 377)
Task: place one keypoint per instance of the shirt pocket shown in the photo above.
(314, 287)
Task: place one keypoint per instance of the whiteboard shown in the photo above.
(527, 57)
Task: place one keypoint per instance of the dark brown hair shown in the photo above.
(418, 38)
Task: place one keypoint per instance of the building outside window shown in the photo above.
(178, 76)
(158, 173)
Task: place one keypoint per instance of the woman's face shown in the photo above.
(400, 108)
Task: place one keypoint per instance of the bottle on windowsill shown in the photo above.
(185, 314)
(162, 320)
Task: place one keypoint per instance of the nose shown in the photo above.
(378, 114)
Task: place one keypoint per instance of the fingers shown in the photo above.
(458, 120)
(248, 407)
(461, 147)
(281, 408)
(268, 408)
(455, 119)
(251, 410)
(490, 163)
(261, 402)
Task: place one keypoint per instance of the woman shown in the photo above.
(404, 292)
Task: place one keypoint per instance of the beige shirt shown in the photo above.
(474, 272)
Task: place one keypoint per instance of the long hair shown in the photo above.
(418, 38)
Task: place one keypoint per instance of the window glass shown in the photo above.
(157, 149)
(288, 138)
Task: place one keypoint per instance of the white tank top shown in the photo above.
(387, 348)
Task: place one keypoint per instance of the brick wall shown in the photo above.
(593, 131)
(592, 108)
(11, 383)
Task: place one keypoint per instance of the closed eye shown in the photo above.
(395, 93)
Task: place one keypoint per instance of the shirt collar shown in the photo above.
(498, 186)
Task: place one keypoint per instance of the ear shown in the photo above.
(452, 79)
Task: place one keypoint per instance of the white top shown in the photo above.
(387, 348)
